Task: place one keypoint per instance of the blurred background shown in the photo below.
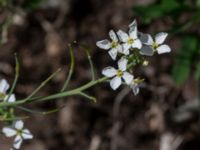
(164, 116)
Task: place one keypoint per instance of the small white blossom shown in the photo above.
(130, 40)
(156, 45)
(118, 74)
(4, 86)
(113, 46)
(19, 133)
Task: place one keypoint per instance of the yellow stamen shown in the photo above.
(119, 73)
(130, 41)
(114, 44)
(155, 46)
(19, 132)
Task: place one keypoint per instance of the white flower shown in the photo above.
(113, 46)
(135, 87)
(19, 133)
(156, 45)
(4, 86)
(130, 40)
(117, 75)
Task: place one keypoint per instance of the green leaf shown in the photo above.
(198, 3)
(155, 11)
(180, 72)
(184, 59)
(30, 5)
(147, 13)
(197, 73)
(3, 2)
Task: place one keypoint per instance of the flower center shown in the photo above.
(155, 46)
(130, 41)
(19, 132)
(119, 73)
(114, 44)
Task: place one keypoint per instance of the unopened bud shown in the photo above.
(145, 63)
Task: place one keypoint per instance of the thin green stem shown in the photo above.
(41, 86)
(87, 49)
(38, 112)
(88, 96)
(56, 96)
(17, 67)
(71, 70)
(74, 91)
(91, 65)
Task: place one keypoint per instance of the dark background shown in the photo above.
(162, 114)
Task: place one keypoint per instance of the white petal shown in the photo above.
(137, 44)
(146, 50)
(113, 53)
(122, 63)
(109, 71)
(17, 142)
(127, 77)
(133, 33)
(163, 49)
(4, 86)
(113, 36)
(119, 48)
(160, 37)
(115, 83)
(126, 48)
(133, 24)
(8, 131)
(19, 124)
(127, 52)
(11, 98)
(146, 38)
(26, 134)
(123, 36)
(104, 44)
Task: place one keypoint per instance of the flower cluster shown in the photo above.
(17, 128)
(130, 49)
